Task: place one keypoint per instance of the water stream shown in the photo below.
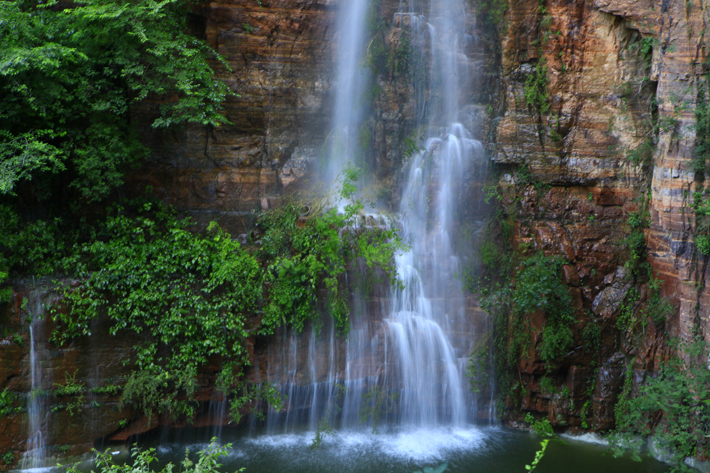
(404, 359)
(36, 453)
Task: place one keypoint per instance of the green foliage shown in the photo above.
(492, 258)
(410, 146)
(701, 205)
(250, 398)
(5, 292)
(646, 48)
(627, 313)
(584, 413)
(477, 363)
(8, 401)
(491, 13)
(702, 128)
(642, 154)
(703, 244)
(157, 390)
(658, 308)
(635, 241)
(401, 59)
(541, 427)
(591, 336)
(109, 390)
(643, 47)
(547, 385)
(186, 291)
(141, 460)
(324, 427)
(538, 456)
(536, 95)
(8, 457)
(674, 406)
(376, 55)
(317, 252)
(376, 403)
(525, 178)
(491, 192)
(539, 287)
(534, 287)
(322, 431)
(74, 393)
(69, 75)
(192, 298)
(30, 247)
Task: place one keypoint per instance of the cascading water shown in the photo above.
(351, 81)
(405, 355)
(35, 455)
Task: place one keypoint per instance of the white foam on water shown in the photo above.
(46, 469)
(588, 437)
(282, 440)
(430, 444)
(420, 444)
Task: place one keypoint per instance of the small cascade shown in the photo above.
(216, 415)
(36, 453)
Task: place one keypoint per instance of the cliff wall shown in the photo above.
(621, 83)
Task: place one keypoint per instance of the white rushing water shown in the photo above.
(36, 454)
(351, 80)
(405, 356)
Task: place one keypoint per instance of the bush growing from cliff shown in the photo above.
(191, 297)
(539, 287)
(674, 406)
(69, 75)
(535, 287)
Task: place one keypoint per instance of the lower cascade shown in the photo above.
(403, 362)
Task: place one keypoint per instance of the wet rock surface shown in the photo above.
(583, 185)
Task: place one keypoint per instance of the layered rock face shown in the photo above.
(620, 80)
(281, 58)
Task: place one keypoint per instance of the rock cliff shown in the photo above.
(614, 136)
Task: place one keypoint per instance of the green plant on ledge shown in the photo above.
(194, 297)
(674, 407)
(75, 391)
(535, 90)
(7, 403)
(8, 457)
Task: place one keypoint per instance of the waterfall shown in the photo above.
(404, 359)
(36, 453)
(351, 80)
